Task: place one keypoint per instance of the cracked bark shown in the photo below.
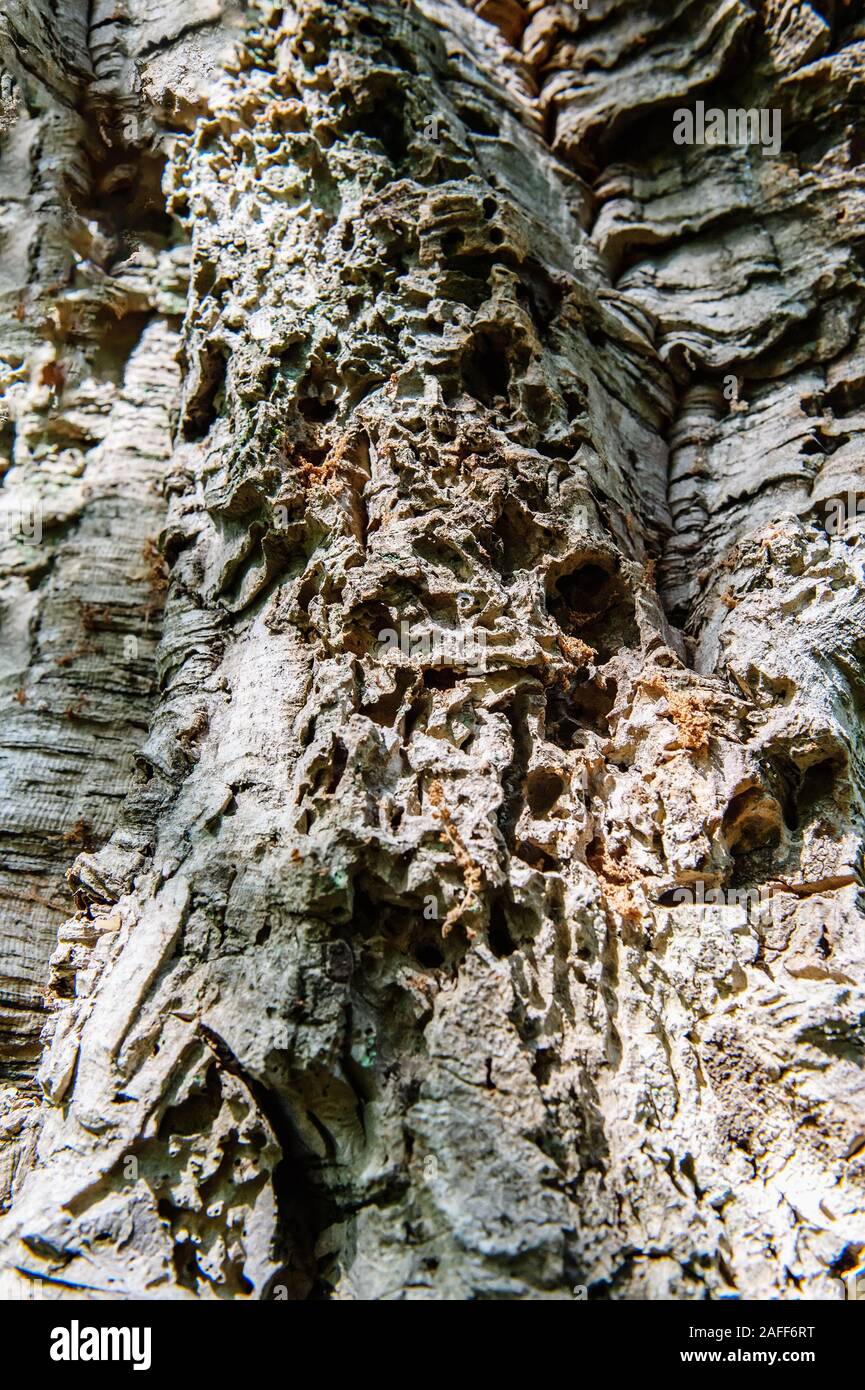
(376, 980)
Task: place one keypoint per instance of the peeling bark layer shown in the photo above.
(492, 437)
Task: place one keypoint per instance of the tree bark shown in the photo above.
(466, 902)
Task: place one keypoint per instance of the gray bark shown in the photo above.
(385, 967)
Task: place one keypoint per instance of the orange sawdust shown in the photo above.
(688, 712)
(579, 653)
(471, 872)
(621, 876)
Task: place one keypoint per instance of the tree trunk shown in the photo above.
(465, 901)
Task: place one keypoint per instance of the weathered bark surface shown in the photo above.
(377, 982)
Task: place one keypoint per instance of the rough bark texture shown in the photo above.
(378, 981)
